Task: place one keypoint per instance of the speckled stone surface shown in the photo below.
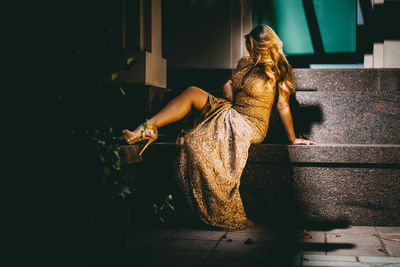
(326, 153)
(352, 175)
(356, 183)
(273, 153)
(355, 106)
(347, 79)
(351, 117)
(360, 196)
(130, 154)
(343, 117)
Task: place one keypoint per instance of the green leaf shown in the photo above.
(126, 190)
(169, 197)
(122, 91)
(171, 207)
(114, 76)
(106, 171)
(162, 220)
(130, 60)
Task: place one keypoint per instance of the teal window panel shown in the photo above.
(288, 19)
(337, 24)
(360, 18)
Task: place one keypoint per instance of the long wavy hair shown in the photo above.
(265, 48)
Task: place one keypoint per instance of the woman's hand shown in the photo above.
(227, 90)
(299, 141)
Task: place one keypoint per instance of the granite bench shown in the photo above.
(326, 182)
(353, 173)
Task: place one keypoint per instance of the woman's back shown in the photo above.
(254, 98)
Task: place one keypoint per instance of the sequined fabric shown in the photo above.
(215, 151)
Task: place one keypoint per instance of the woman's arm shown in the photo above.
(227, 90)
(286, 118)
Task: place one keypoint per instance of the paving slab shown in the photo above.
(184, 244)
(332, 263)
(388, 230)
(143, 243)
(151, 234)
(371, 259)
(260, 228)
(393, 247)
(237, 256)
(253, 260)
(317, 260)
(196, 234)
(358, 251)
(268, 246)
(160, 253)
(313, 237)
(240, 246)
(312, 242)
(393, 243)
(229, 264)
(254, 236)
(354, 230)
(361, 240)
(310, 252)
(329, 258)
(166, 263)
(312, 248)
(393, 251)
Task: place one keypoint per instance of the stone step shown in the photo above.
(343, 106)
(382, 80)
(378, 154)
(306, 79)
(355, 183)
(343, 117)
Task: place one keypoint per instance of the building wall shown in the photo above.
(200, 34)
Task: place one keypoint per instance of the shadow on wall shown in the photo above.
(271, 195)
(271, 192)
(304, 117)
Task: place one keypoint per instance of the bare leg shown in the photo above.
(178, 108)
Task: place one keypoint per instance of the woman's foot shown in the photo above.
(145, 131)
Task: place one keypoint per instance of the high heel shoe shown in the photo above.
(147, 132)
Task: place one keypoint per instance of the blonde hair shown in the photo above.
(265, 49)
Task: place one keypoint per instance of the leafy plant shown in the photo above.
(162, 208)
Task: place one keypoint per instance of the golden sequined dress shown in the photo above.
(215, 151)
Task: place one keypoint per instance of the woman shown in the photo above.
(215, 151)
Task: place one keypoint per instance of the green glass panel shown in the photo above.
(288, 19)
(337, 24)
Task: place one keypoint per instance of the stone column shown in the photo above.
(241, 24)
(385, 54)
(142, 18)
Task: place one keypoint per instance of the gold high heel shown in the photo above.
(144, 131)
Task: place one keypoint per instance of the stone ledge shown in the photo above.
(327, 153)
(384, 154)
(347, 79)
